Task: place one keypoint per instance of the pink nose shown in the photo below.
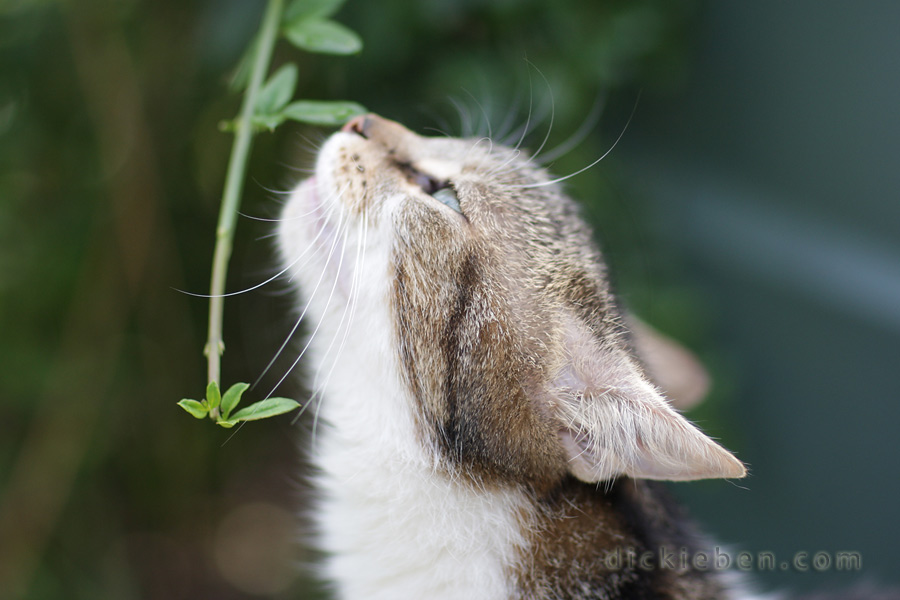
(361, 125)
(389, 134)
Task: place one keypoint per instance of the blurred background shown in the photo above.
(751, 210)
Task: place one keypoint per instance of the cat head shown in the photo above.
(516, 359)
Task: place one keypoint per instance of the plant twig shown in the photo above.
(231, 196)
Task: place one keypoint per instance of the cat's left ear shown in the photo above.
(670, 365)
(614, 422)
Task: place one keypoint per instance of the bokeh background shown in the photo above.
(752, 210)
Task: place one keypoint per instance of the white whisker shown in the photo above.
(352, 302)
(465, 119)
(278, 220)
(269, 280)
(319, 324)
(552, 110)
(487, 155)
(499, 169)
(576, 138)
(582, 170)
(487, 120)
(506, 127)
(309, 302)
(528, 118)
(442, 126)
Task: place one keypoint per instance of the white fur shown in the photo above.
(393, 521)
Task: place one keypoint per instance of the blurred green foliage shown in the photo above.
(111, 167)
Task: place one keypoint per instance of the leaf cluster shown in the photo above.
(219, 407)
(307, 25)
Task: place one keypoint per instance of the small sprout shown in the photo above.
(213, 397)
(322, 36)
(277, 91)
(270, 407)
(322, 113)
(267, 122)
(196, 409)
(232, 398)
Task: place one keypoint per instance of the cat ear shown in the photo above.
(614, 422)
(670, 365)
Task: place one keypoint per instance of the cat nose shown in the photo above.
(361, 125)
(388, 133)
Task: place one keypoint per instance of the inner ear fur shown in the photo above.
(614, 422)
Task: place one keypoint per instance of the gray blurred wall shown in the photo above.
(775, 177)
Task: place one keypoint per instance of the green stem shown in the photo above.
(234, 181)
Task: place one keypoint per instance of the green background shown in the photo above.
(752, 210)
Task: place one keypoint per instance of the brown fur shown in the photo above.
(484, 304)
(576, 520)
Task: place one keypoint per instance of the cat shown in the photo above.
(484, 426)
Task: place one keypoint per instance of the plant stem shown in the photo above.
(234, 181)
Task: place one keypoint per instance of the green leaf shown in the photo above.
(232, 398)
(305, 9)
(322, 36)
(213, 397)
(226, 424)
(241, 75)
(267, 122)
(195, 408)
(277, 91)
(322, 113)
(258, 123)
(265, 409)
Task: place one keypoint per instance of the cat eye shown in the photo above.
(447, 196)
(442, 191)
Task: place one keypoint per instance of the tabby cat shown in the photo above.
(485, 428)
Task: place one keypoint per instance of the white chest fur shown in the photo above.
(393, 524)
(396, 526)
(397, 531)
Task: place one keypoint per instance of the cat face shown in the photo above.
(507, 340)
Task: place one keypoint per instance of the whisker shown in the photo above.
(582, 170)
(484, 114)
(475, 145)
(440, 132)
(576, 138)
(296, 326)
(506, 127)
(319, 324)
(272, 190)
(279, 220)
(352, 302)
(465, 120)
(552, 110)
(343, 317)
(269, 280)
(513, 156)
(442, 126)
(306, 170)
(530, 109)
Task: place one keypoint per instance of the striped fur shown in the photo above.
(484, 428)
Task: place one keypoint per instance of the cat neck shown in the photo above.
(394, 524)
